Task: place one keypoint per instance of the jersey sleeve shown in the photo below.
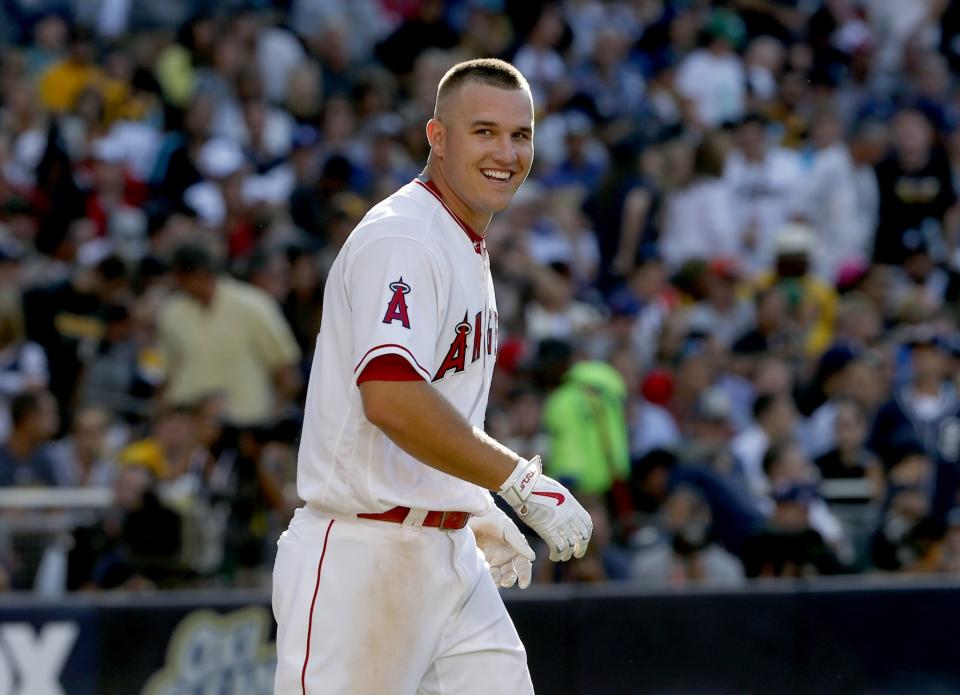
(388, 368)
(393, 287)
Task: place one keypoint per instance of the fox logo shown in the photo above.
(397, 308)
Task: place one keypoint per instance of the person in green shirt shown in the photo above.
(585, 419)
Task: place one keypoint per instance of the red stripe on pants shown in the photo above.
(316, 588)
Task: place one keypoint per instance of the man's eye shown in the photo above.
(484, 131)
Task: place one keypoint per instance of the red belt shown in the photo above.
(447, 521)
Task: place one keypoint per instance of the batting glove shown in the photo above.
(508, 554)
(548, 508)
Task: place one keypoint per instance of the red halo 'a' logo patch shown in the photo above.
(397, 308)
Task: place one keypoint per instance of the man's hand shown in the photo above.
(548, 508)
(509, 555)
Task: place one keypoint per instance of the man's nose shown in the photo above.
(506, 153)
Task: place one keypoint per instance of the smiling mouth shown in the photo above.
(497, 175)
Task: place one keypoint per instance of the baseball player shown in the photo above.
(382, 582)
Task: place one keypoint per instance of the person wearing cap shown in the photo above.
(585, 163)
(712, 79)
(222, 199)
(811, 303)
(926, 411)
(687, 552)
(833, 381)
(909, 520)
(707, 434)
(789, 546)
(723, 312)
(919, 283)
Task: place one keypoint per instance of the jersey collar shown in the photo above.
(475, 238)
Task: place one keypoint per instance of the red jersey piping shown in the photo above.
(475, 239)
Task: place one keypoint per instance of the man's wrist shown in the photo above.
(518, 486)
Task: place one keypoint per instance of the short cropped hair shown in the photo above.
(24, 405)
(489, 71)
(191, 258)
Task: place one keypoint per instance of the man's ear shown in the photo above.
(436, 136)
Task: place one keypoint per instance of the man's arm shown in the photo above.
(425, 425)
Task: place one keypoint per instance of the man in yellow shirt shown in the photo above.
(812, 303)
(220, 335)
(62, 83)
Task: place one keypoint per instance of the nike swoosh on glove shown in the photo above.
(548, 508)
(507, 552)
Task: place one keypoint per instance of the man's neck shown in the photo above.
(206, 299)
(478, 222)
(20, 444)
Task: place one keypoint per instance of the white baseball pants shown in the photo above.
(367, 607)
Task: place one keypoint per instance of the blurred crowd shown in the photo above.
(727, 291)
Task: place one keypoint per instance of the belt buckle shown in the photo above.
(443, 521)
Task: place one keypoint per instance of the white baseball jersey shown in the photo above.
(411, 280)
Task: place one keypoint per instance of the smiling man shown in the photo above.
(386, 579)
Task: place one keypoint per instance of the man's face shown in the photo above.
(47, 419)
(752, 140)
(929, 362)
(196, 284)
(483, 144)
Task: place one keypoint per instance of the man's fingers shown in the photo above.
(583, 540)
(508, 575)
(524, 572)
(495, 574)
(566, 546)
(516, 540)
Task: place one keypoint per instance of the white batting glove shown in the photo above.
(509, 555)
(548, 508)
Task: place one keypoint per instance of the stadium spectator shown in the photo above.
(220, 335)
(811, 303)
(588, 448)
(712, 78)
(136, 548)
(686, 553)
(84, 457)
(66, 318)
(908, 529)
(23, 363)
(699, 220)
(774, 422)
(26, 459)
(723, 313)
(766, 183)
(850, 460)
(786, 466)
(832, 203)
(789, 546)
(916, 191)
